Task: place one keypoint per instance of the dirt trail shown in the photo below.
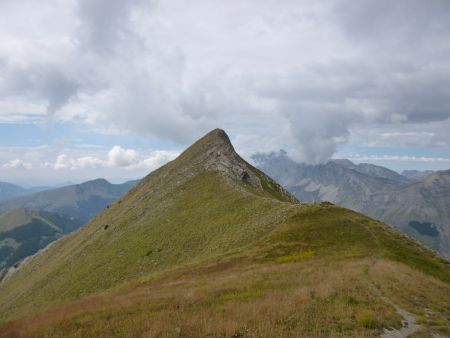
(409, 325)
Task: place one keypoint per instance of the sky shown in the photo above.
(116, 88)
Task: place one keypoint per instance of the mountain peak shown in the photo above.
(216, 139)
(215, 153)
(98, 181)
(344, 162)
(218, 134)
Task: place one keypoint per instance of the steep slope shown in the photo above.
(81, 201)
(205, 203)
(210, 246)
(422, 210)
(23, 232)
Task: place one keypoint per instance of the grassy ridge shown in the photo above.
(317, 274)
(341, 233)
(119, 246)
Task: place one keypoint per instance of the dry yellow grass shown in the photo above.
(240, 298)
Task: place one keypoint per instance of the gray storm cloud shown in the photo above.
(320, 74)
(106, 24)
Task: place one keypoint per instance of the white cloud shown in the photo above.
(155, 159)
(64, 162)
(117, 157)
(17, 164)
(122, 157)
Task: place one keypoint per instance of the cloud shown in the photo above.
(17, 164)
(407, 21)
(122, 157)
(105, 24)
(156, 159)
(402, 158)
(317, 74)
(117, 157)
(65, 162)
(131, 159)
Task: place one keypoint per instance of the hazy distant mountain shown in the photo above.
(23, 232)
(338, 181)
(81, 201)
(416, 175)
(10, 190)
(420, 208)
(374, 171)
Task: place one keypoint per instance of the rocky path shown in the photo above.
(409, 325)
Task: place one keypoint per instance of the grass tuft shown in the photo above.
(241, 295)
(367, 319)
(295, 256)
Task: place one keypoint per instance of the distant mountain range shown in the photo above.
(418, 203)
(28, 223)
(416, 175)
(81, 201)
(10, 190)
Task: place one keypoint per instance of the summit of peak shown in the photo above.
(213, 146)
(217, 137)
(218, 133)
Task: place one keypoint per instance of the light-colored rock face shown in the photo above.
(416, 175)
(414, 207)
(220, 155)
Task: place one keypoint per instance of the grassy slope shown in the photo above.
(24, 232)
(319, 274)
(181, 213)
(10, 220)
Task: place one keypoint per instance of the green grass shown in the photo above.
(339, 233)
(295, 256)
(323, 291)
(202, 218)
(241, 295)
(185, 212)
(306, 233)
(11, 219)
(367, 319)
